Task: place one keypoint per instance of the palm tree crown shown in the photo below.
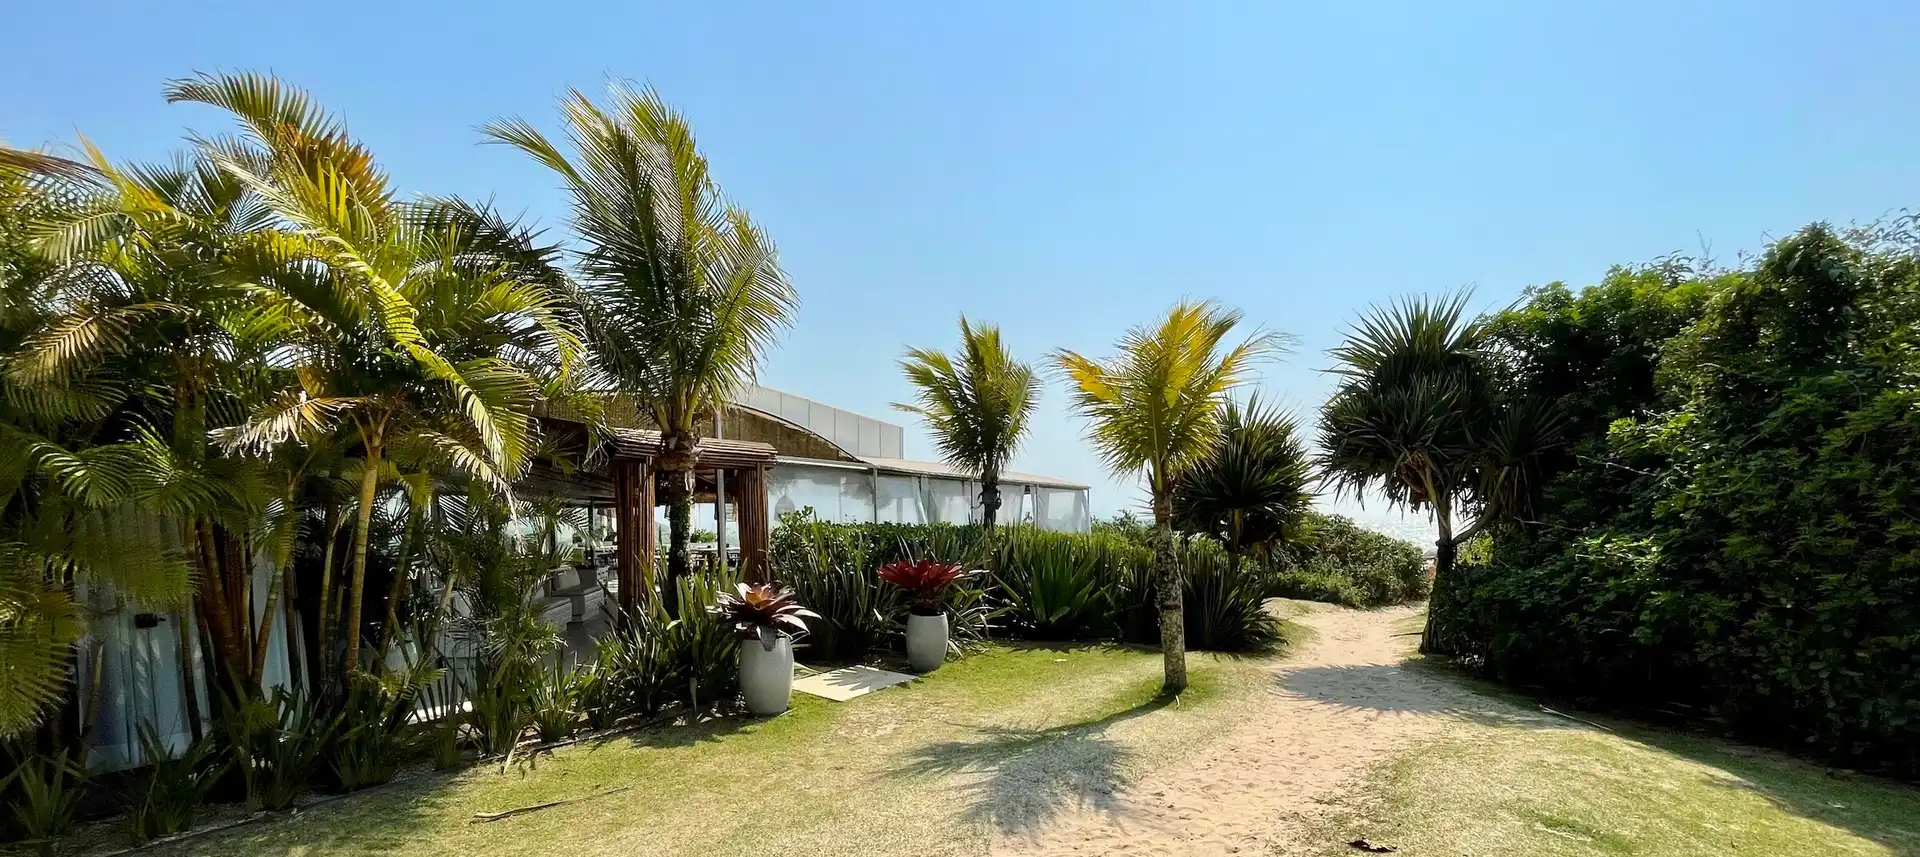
(1252, 486)
(1154, 408)
(683, 294)
(1419, 416)
(977, 407)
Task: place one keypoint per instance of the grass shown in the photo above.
(1549, 787)
(1000, 741)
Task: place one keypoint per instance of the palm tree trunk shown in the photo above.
(320, 648)
(989, 497)
(1173, 629)
(369, 486)
(679, 527)
(1443, 553)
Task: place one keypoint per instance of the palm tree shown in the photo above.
(428, 327)
(67, 492)
(683, 293)
(977, 408)
(1251, 488)
(1419, 417)
(141, 299)
(1155, 410)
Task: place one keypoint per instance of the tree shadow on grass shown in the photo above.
(1406, 688)
(1880, 810)
(1017, 779)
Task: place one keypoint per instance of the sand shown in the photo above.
(1335, 708)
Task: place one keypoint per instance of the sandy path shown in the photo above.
(1333, 709)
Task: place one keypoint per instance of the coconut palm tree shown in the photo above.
(683, 292)
(976, 407)
(429, 328)
(1250, 489)
(1154, 411)
(1419, 417)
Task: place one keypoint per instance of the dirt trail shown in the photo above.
(1340, 705)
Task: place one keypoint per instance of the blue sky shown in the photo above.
(1069, 169)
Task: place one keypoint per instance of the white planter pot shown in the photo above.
(926, 642)
(766, 675)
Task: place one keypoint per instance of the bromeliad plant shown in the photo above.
(762, 611)
(925, 583)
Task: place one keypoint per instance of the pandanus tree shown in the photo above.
(976, 404)
(1154, 410)
(1251, 488)
(683, 292)
(428, 328)
(1420, 418)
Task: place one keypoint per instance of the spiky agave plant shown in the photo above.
(925, 582)
(762, 611)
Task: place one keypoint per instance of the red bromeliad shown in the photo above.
(924, 581)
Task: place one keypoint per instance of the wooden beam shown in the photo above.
(633, 529)
(751, 498)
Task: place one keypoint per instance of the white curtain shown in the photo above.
(900, 501)
(1061, 509)
(950, 501)
(838, 495)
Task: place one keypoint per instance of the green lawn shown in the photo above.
(997, 741)
(1546, 787)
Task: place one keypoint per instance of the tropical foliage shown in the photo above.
(1250, 489)
(761, 611)
(976, 406)
(1728, 533)
(683, 291)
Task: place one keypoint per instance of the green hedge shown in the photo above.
(1730, 532)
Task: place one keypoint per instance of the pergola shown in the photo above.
(620, 476)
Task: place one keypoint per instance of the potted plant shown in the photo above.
(767, 619)
(925, 583)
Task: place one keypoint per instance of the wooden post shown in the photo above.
(633, 529)
(752, 499)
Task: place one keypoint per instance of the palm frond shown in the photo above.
(1154, 408)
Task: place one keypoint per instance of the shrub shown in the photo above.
(368, 739)
(276, 744)
(556, 702)
(47, 789)
(515, 648)
(164, 798)
(829, 569)
(1338, 561)
(1061, 586)
(1225, 608)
